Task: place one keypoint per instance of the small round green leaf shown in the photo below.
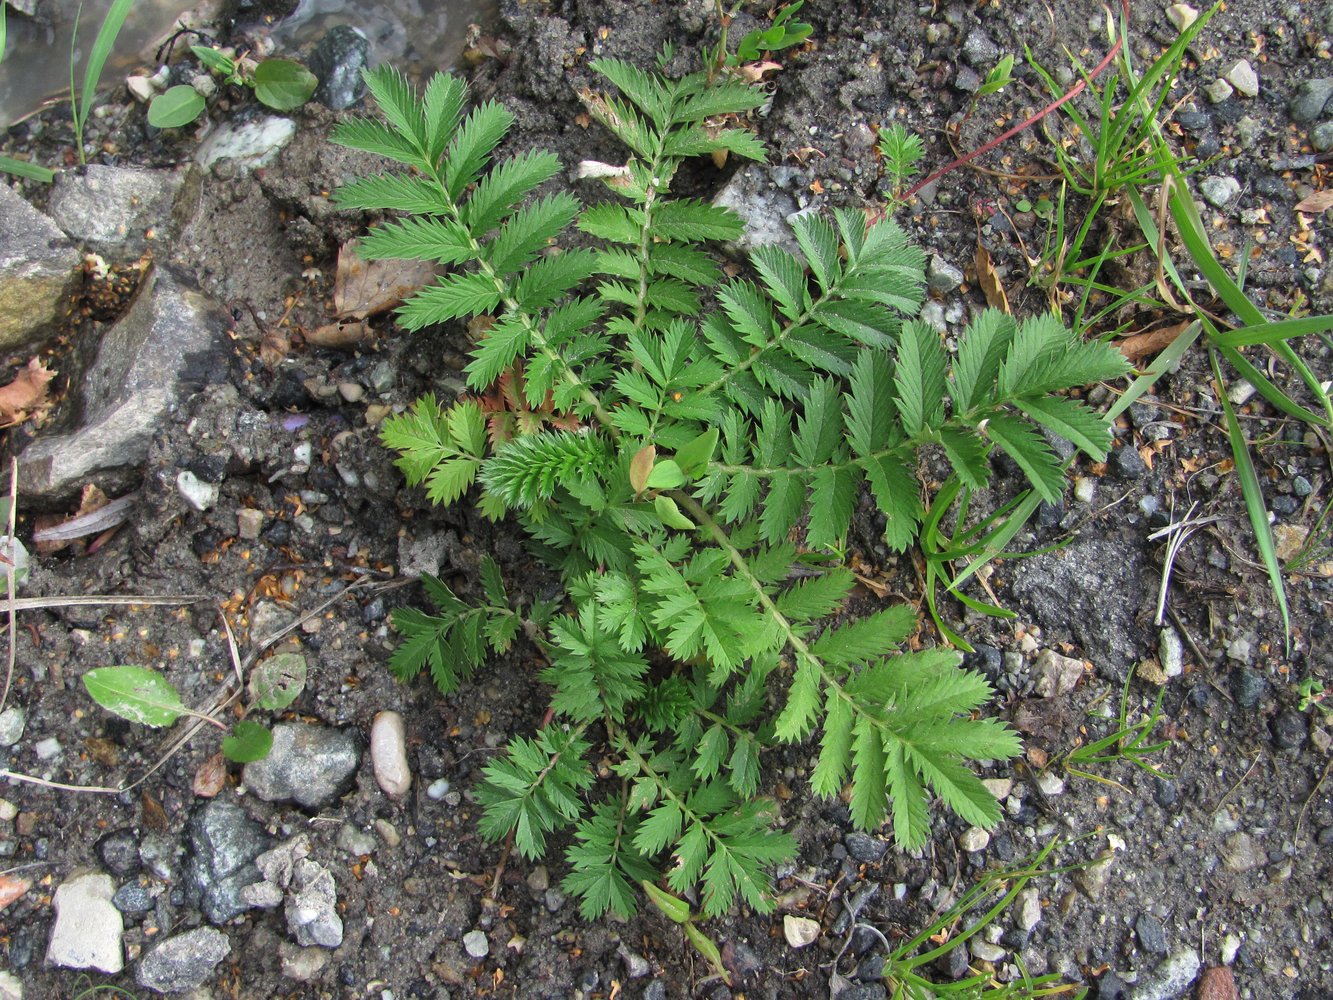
(179, 106)
(283, 85)
(276, 683)
(135, 693)
(248, 742)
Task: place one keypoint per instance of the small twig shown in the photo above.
(1226, 795)
(94, 522)
(9, 580)
(1300, 818)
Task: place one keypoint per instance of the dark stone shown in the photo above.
(1247, 687)
(133, 899)
(277, 534)
(1110, 987)
(1192, 121)
(871, 969)
(23, 944)
(1285, 506)
(1208, 146)
(205, 541)
(374, 610)
(209, 468)
(1015, 939)
(1126, 463)
(1151, 934)
(1290, 729)
(224, 842)
(953, 963)
(119, 852)
(1200, 696)
(985, 659)
(864, 939)
(866, 991)
(1003, 846)
(1049, 514)
(1325, 837)
(337, 61)
(656, 990)
(1310, 99)
(1143, 414)
(288, 392)
(864, 847)
(1164, 793)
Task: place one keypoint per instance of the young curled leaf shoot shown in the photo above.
(718, 433)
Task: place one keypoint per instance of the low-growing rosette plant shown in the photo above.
(717, 436)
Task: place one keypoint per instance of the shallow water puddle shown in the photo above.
(419, 35)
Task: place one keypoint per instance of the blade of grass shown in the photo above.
(22, 168)
(103, 44)
(1254, 498)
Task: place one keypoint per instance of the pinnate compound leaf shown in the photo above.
(135, 693)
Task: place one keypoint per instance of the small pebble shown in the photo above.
(476, 945)
(199, 495)
(388, 754)
(12, 722)
(799, 931)
(1168, 980)
(437, 789)
(984, 951)
(1151, 934)
(1244, 79)
(249, 522)
(1218, 91)
(388, 833)
(1029, 909)
(1171, 652)
(47, 748)
(1217, 191)
(974, 839)
(1182, 15)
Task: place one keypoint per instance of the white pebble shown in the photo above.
(1051, 784)
(388, 754)
(799, 931)
(1085, 488)
(476, 945)
(437, 789)
(974, 839)
(1243, 77)
(197, 493)
(1029, 909)
(47, 748)
(1182, 15)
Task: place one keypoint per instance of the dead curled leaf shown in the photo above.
(12, 888)
(989, 280)
(25, 395)
(1142, 345)
(1315, 203)
(210, 777)
(364, 288)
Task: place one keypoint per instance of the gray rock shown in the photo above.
(1243, 77)
(1089, 590)
(1307, 104)
(1290, 729)
(111, 210)
(356, 842)
(1171, 652)
(974, 838)
(1056, 674)
(1321, 137)
(984, 951)
(941, 276)
(225, 842)
(301, 964)
(312, 907)
(12, 722)
(1170, 979)
(1217, 191)
(119, 852)
(864, 847)
(337, 61)
(1029, 909)
(88, 927)
(1126, 463)
(1151, 934)
(1218, 91)
(979, 51)
(764, 207)
(1247, 687)
(39, 270)
(133, 899)
(309, 765)
(154, 356)
(183, 962)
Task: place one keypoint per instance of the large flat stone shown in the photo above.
(153, 358)
(88, 927)
(39, 271)
(112, 210)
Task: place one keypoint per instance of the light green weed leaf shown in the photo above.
(248, 742)
(135, 693)
(179, 106)
(282, 85)
(278, 681)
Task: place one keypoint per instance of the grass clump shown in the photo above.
(723, 434)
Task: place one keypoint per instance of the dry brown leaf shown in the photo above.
(210, 777)
(1217, 983)
(154, 816)
(989, 280)
(1142, 345)
(363, 288)
(11, 889)
(342, 335)
(26, 394)
(1314, 203)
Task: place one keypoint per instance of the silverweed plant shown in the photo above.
(724, 431)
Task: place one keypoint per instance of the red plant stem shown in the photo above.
(1069, 95)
